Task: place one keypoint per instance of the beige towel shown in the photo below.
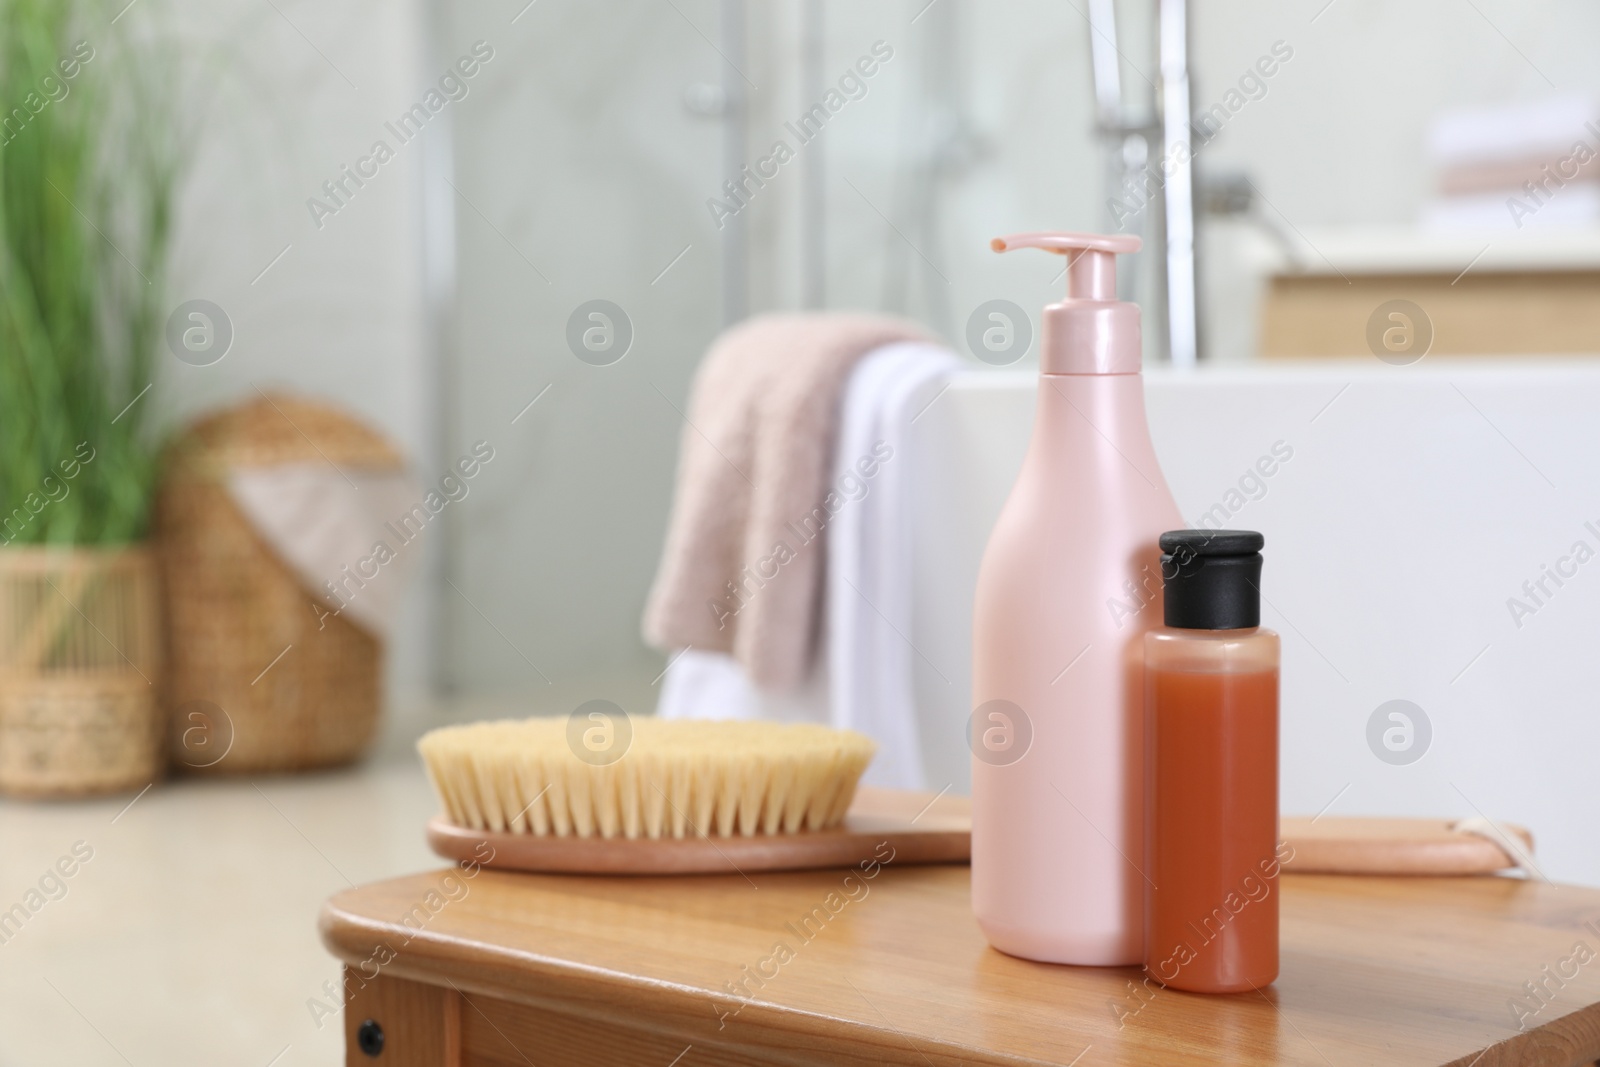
(741, 570)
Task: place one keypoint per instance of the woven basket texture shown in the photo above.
(80, 666)
(261, 676)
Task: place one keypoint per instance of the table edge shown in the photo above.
(585, 991)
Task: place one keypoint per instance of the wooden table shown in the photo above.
(514, 969)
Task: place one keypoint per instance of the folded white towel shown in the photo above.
(863, 677)
(1529, 129)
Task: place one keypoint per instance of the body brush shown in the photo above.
(674, 779)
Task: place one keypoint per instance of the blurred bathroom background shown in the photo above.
(1428, 472)
(1337, 147)
(1357, 143)
(579, 167)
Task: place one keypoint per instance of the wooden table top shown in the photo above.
(1374, 970)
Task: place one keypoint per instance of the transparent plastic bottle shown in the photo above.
(1211, 772)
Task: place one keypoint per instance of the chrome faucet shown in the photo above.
(1130, 136)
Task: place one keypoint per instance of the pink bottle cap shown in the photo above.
(1091, 331)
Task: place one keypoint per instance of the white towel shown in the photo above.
(870, 658)
(327, 524)
(863, 679)
(1529, 129)
(712, 685)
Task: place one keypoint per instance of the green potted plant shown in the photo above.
(86, 196)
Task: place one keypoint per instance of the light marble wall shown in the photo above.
(279, 96)
(581, 176)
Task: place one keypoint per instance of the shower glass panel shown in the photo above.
(687, 162)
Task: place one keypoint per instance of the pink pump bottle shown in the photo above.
(1069, 584)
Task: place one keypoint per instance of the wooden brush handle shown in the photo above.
(916, 827)
(884, 825)
(1393, 846)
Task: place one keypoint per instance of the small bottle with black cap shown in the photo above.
(1211, 771)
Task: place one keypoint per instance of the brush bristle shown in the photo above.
(680, 778)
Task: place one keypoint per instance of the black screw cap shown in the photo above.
(1211, 579)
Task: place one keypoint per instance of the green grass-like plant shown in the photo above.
(87, 173)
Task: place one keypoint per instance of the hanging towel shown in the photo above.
(712, 685)
(871, 662)
(864, 678)
(742, 565)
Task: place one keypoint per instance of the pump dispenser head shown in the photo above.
(1090, 331)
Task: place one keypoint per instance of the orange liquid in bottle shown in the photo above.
(1211, 923)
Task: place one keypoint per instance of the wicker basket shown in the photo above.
(262, 677)
(79, 668)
